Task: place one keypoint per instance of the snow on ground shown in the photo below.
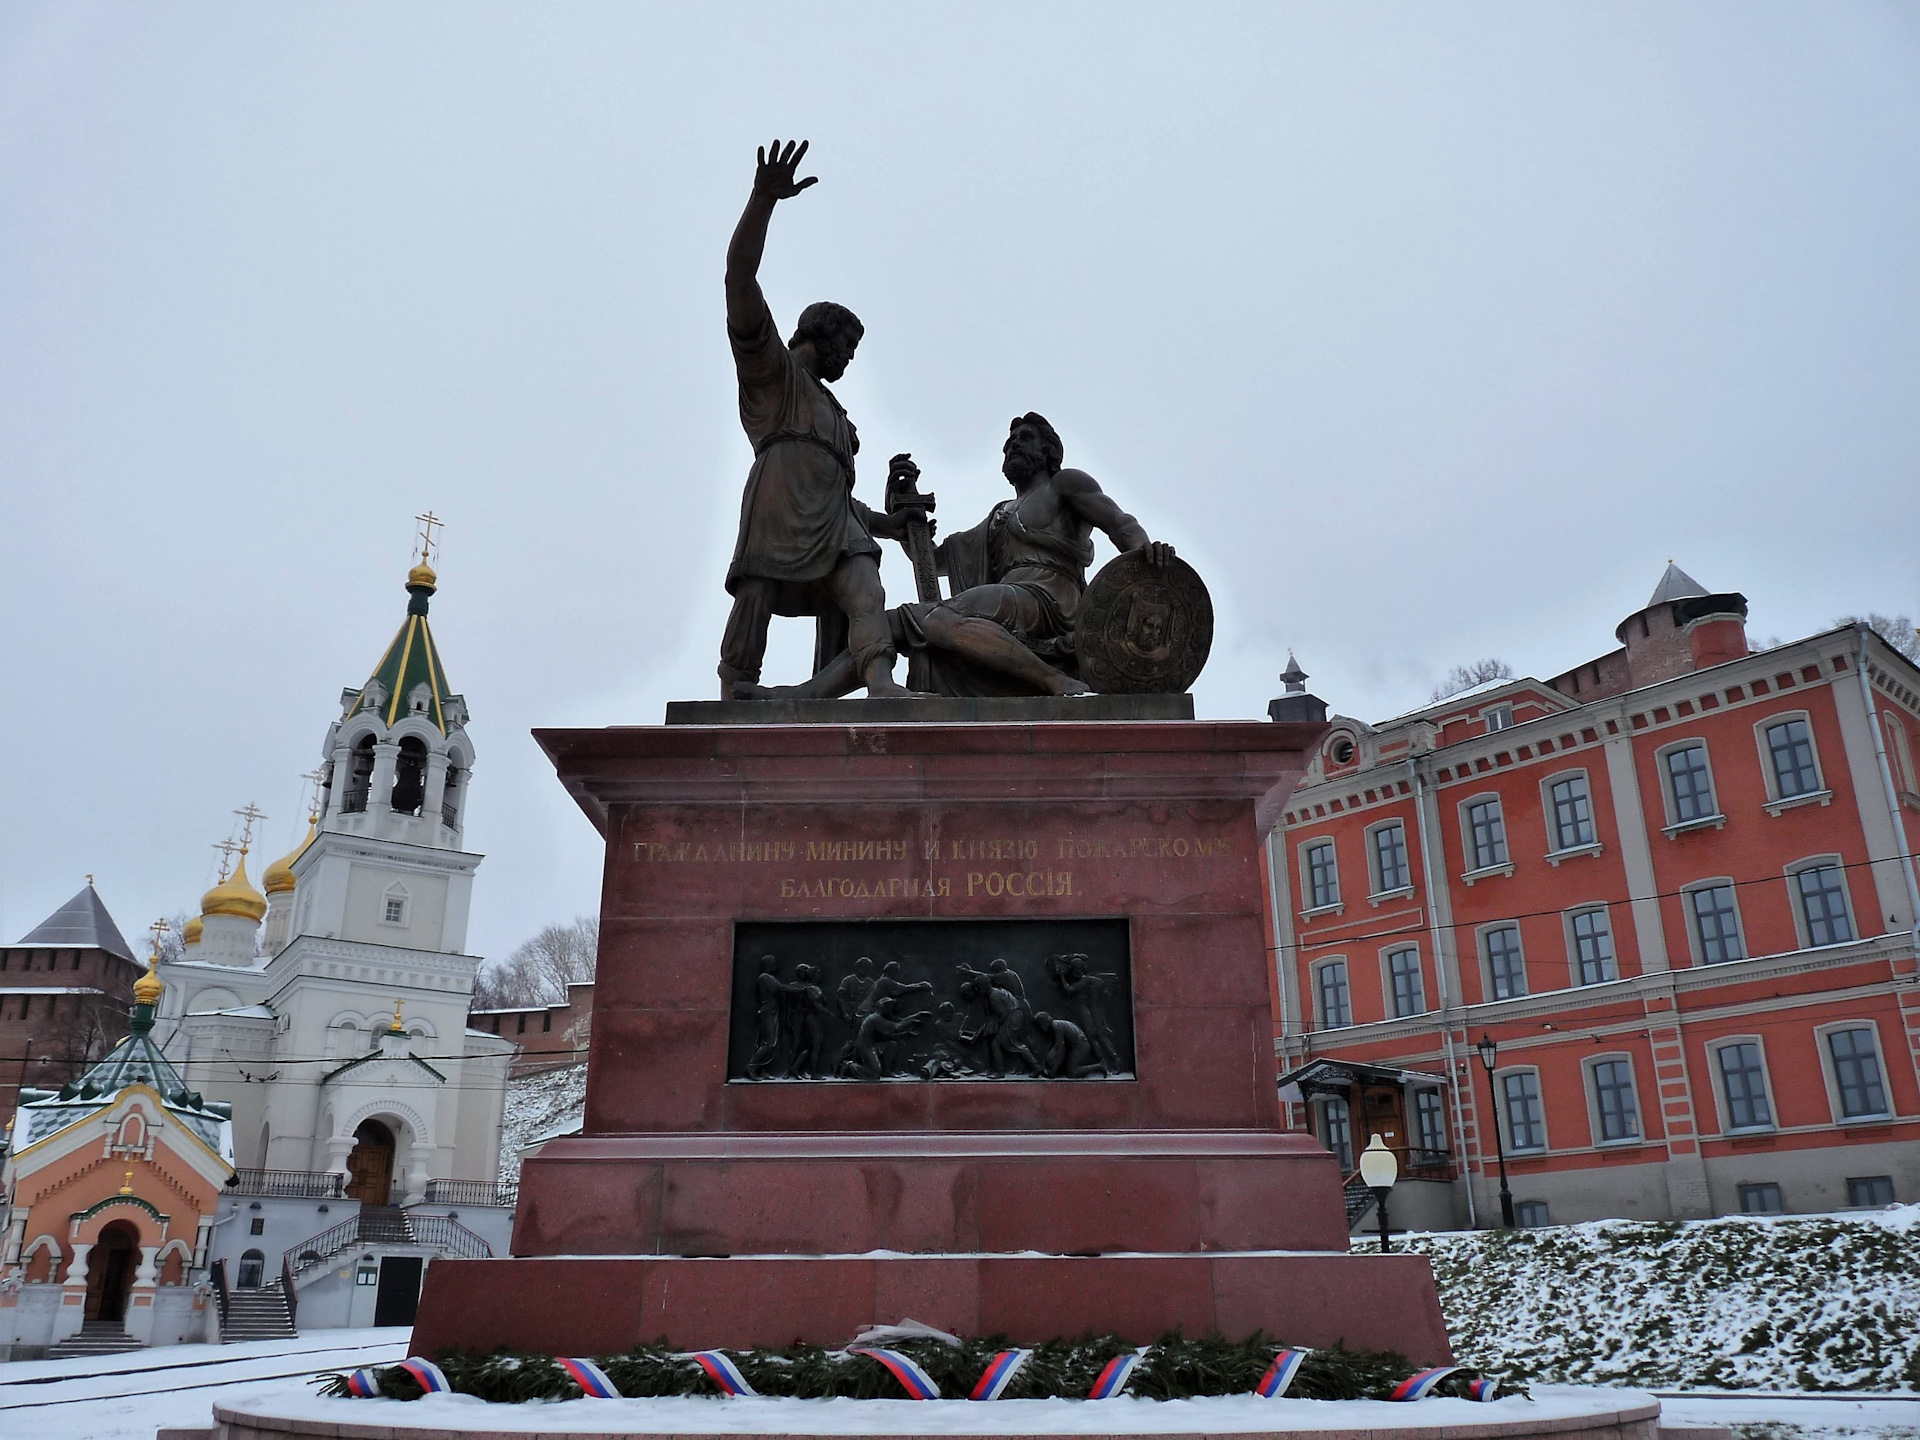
(1799, 1302)
(538, 1106)
(1795, 1417)
(128, 1397)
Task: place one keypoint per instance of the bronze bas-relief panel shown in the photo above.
(931, 1000)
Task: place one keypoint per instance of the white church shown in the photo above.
(331, 1011)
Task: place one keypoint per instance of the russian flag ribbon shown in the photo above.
(1113, 1379)
(363, 1384)
(1280, 1374)
(999, 1374)
(723, 1372)
(1485, 1388)
(915, 1381)
(591, 1379)
(1418, 1387)
(431, 1378)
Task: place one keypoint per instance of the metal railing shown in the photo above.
(449, 1235)
(355, 800)
(288, 1289)
(472, 1192)
(385, 1226)
(219, 1273)
(290, 1184)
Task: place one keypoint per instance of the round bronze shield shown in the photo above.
(1144, 629)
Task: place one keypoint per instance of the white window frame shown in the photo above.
(1386, 978)
(1574, 978)
(1722, 1106)
(1375, 892)
(396, 891)
(1336, 906)
(1691, 921)
(1480, 937)
(1314, 971)
(1555, 852)
(1590, 1082)
(1502, 1118)
(1902, 755)
(1469, 851)
(1795, 900)
(1675, 826)
(1820, 1034)
(1498, 718)
(1775, 803)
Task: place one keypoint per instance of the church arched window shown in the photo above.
(359, 777)
(410, 776)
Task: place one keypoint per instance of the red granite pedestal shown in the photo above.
(739, 1213)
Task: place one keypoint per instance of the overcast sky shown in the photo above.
(1425, 332)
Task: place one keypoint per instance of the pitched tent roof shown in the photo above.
(1676, 584)
(136, 1060)
(81, 924)
(410, 662)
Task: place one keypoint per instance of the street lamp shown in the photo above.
(1489, 1053)
(1379, 1170)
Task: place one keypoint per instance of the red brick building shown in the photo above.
(1675, 885)
(549, 1036)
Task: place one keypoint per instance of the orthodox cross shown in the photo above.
(315, 777)
(160, 928)
(427, 522)
(249, 815)
(226, 848)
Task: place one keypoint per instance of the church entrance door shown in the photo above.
(110, 1266)
(370, 1166)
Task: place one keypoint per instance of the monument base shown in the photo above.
(606, 1304)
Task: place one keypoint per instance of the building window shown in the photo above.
(1530, 1214)
(393, 906)
(1330, 979)
(1823, 904)
(521, 1028)
(1499, 717)
(1390, 858)
(1486, 834)
(1613, 1102)
(257, 1225)
(1430, 1117)
(1323, 876)
(1403, 969)
(1762, 1200)
(1338, 1126)
(1790, 744)
(1690, 783)
(1593, 962)
(1856, 1072)
(1716, 924)
(1572, 813)
(1526, 1123)
(1743, 1080)
(1865, 1190)
(1506, 969)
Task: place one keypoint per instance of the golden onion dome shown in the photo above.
(422, 575)
(190, 932)
(235, 896)
(278, 879)
(146, 990)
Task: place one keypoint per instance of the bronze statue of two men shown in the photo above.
(808, 547)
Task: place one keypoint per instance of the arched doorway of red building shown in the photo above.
(370, 1166)
(110, 1267)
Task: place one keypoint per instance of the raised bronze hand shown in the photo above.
(774, 177)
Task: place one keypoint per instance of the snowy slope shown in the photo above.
(537, 1107)
(1819, 1302)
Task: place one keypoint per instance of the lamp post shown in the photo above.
(1379, 1170)
(1489, 1053)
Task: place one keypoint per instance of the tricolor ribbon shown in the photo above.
(723, 1372)
(591, 1379)
(1280, 1374)
(429, 1375)
(915, 1381)
(363, 1384)
(1485, 1388)
(1113, 1379)
(999, 1374)
(1418, 1387)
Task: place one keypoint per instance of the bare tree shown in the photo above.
(539, 970)
(1465, 677)
(1896, 630)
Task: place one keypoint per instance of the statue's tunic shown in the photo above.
(798, 517)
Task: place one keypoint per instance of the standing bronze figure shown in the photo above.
(806, 546)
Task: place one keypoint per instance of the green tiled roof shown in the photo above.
(411, 662)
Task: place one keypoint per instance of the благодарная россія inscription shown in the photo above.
(931, 1000)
